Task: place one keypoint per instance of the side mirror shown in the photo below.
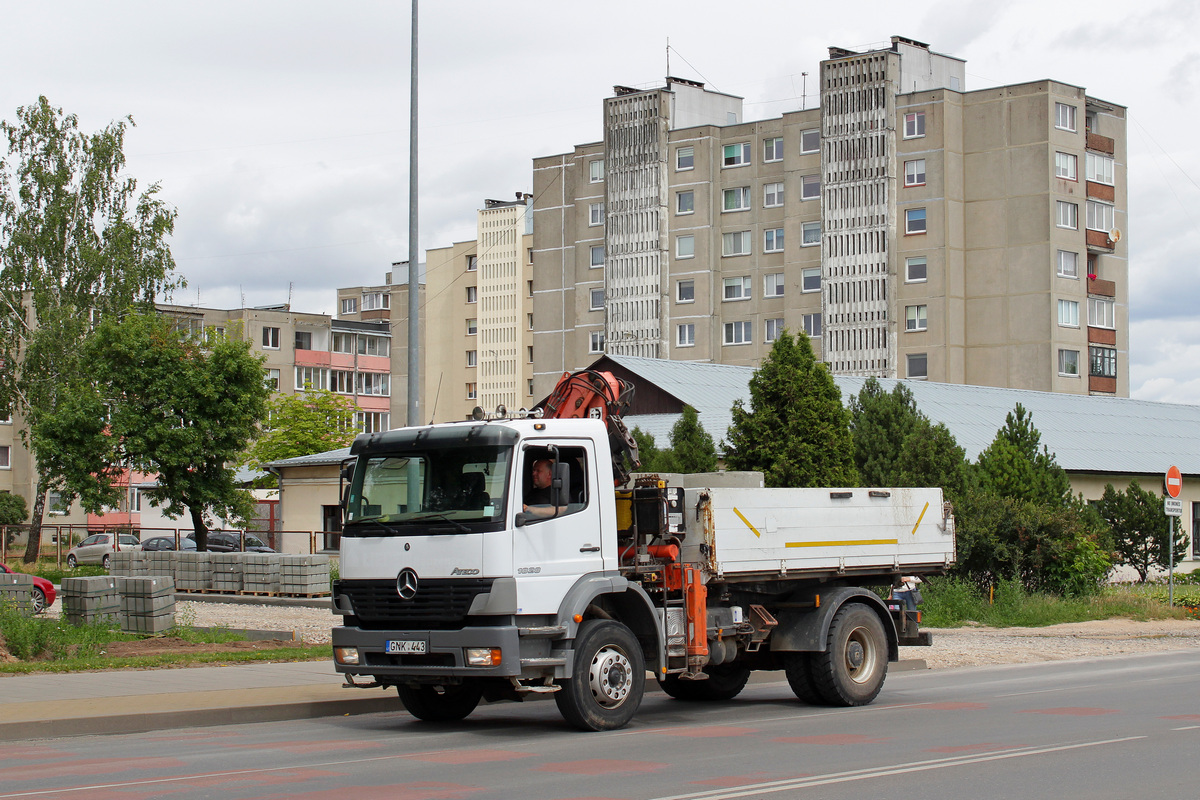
(520, 519)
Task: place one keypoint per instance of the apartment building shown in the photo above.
(910, 227)
(479, 304)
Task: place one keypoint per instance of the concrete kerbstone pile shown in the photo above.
(193, 570)
(260, 572)
(88, 600)
(125, 563)
(226, 572)
(16, 589)
(304, 575)
(147, 604)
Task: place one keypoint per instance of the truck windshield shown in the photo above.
(452, 486)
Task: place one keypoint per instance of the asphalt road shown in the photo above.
(1113, 728)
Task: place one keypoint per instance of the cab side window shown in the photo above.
(538, 471)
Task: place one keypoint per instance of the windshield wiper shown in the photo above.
(458, 526)
(377, 520)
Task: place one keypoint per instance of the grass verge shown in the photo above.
(100, 662)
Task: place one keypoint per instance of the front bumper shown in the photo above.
(445, 653)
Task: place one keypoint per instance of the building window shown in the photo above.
(1068, 215)
(773, 240)
(1102, 362)
(1068, 264)
(811, 234)
(596, 170)
(810, 279)
(529, 321)
(773, 285)
(372, 421)
(529, 387)
(738, 333)
(685, 335)
(597, 299)
(1066, 166)
(135, 500)
(914, 172)
(810, 141)
(596, 342)
(472, 294)
(772, 195)
(736, 155)
(915, 318)
(1102, 313)
(375, 383)
(529, 354)
(1068, 313)
(1064, 117)
(472, 391)
(737, 288)
(1101, 169)
(311, 378)
(343, 343)
(303, 340)
(374, 300)
(810, 187)
(918, 365)
(735, 244)
(914, 220)
(5, 456)
(914, 125)
(595, 214)
(685, 246)
(916, 269)
(1100, 216)
(685, 292)
(812, 324)
(1068, 362)
(529, 288)
(597, 256)
(472, 358)
(270, 339)
(685, 158)
(472, 327)
(373, 346)
(773, 149)
(685, 203)
(341, 381)
(55, 505)
(272, 380)
(737, 199)
(773, 328)
(472, 263)
(349, 305)
(529, 255)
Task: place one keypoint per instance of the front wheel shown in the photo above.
(440, 703)
(608, 679)
(39, 600)
(72, 562)
(104, 562)
(851, 670)
(725, 682)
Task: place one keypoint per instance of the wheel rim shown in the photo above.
(610, 676)
(861, 655)
(39, 602)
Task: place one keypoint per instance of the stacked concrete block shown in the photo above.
(160, 562)
(125, 563)
(260, 573)
(304, 575)
(88, 600)
(193, 571)
(147, 604)
(16, 590)
(226, 572)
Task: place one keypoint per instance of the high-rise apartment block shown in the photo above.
(911, 228)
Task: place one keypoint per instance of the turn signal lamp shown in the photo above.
(483, 656)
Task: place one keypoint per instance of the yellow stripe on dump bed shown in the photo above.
(843, 543)
(748, 525)
(923, 510)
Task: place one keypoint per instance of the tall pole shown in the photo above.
(414, 306)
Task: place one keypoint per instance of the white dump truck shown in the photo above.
(465, 576)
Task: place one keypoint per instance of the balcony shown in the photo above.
(1101, 144)
(1101, 288)
(1101, 191)
(1102, 385)
(1098, 240)
(1102, 336)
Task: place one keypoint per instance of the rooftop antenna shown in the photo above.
(668, 58)
(436, 395)
(803, 90)
(291, 284)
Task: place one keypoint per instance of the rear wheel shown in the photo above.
(609, 677)
(440, 703)
(852, 669)
(725, 682)
(39, 600)
(72, 562)
(798, 668)
(104, 562)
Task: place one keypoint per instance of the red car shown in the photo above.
(43, 591)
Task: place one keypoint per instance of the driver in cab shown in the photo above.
(538, 495)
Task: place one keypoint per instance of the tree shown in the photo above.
(1139, 528)
(77, 243)
(931, 456)
(1012, 465)
(13, 509)
(648, 452)
(881, 423)
(796, 432)
(152, 399)
(312, 421)
(692, 448)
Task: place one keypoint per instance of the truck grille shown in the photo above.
(439, 603)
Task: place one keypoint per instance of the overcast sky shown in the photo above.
(279, 129)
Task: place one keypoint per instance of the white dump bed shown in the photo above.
(776, 532)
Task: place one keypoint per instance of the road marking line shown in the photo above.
(1187, 728)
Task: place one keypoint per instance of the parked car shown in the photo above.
(99, 547)
(168, 543)
(231, 542)
(43, 591)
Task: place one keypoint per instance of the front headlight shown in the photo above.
(483, 656)
(346, 655)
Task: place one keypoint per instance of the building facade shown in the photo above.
(911, 228)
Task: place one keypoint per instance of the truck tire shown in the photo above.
(725, 682)
(851, 670)
(798, 668)
(440, 703)
(608, 679)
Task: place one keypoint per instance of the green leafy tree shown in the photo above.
(1012, 466)
(151, 399)
(1139, 528)
(13, 509)
(312, 421)
(692, 448)
(77, 243)
(796, 431)
(881, 423)
(932, 457)
(648, 453)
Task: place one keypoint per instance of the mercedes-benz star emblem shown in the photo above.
(406, 584)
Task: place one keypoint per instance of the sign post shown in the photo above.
(1172, 507)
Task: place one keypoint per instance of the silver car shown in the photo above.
(99, 547)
